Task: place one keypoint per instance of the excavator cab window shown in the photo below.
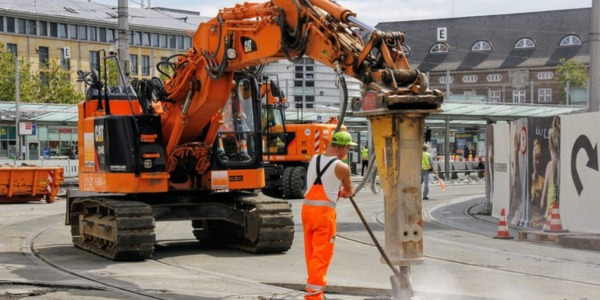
(274, 130)
(237, 135)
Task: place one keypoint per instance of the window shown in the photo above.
(545, 75)
(298, 101)
(62, 31)
(406, 50)
(187, 42)
(299, 68)
(469, 93)
(53, 29)
(309, 68)
(439, 48)
(179, 42)
(43, 28)
(83, 31)
(494, 77)
(299, 75)
(137, 38)
(154, 40)
(310, 101)
(524, 43)
(95, 60)
(495, 96)
(31, 27)
(309, 83)
(12, 49)
(21, 26)
(145, 65)
(110, 35)
(519, 96)
(43, 55)
(443, 79)
(172, 42)
(571, 40)
(93, 33)
(1, 24)
(10, 24)
(145, 39)
(310, 76)
(134, 63)
(102, 34)
(298, 83)
(163, 41)
(65, 63)
(481, 46)
(544, 95)
(72, 31)
(469, 78)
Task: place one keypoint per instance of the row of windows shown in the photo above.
(523, 43)
(94, 58)
(518, 96)
(493, 78)
(91, 33)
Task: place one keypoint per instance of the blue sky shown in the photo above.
(375, 11)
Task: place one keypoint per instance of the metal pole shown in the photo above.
(447, 84)
(123, 41)
(17, 96)
(594, 96)
(447, 150)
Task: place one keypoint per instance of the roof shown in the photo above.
(87, 11)
(546, 28)
(460, 113)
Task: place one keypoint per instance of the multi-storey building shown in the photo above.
(501, 58)
(75, 33)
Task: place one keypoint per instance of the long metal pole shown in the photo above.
(594, 97)
(17, 96)
(123, 41)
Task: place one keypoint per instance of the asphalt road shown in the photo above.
(461, 260)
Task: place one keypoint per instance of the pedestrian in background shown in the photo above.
(364, 156)
(329, 179)
(426, 168)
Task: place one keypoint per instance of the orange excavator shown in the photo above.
(191, 148)
(288, 146)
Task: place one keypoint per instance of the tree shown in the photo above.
(28, 84)
(572, 74)
(57, 86)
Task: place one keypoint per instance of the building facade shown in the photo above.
(78, 34)
(500, 58)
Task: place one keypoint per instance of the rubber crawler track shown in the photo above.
(131, 227)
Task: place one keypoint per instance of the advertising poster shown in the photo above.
(518, 212)
(540, 130)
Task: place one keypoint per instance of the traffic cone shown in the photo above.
(503, 228)
(553, 223)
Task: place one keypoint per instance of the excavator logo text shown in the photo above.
(249, 44)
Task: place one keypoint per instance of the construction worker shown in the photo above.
(329, 179)
(426, 168)
(364, 157)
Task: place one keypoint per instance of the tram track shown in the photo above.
(485, 249)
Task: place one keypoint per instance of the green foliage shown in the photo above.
(573, 72)
(112, 72)
(56, 88)
(28, 84)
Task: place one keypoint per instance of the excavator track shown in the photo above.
(269, 227)
(115, 229)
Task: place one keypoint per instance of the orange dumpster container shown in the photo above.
(23, 184)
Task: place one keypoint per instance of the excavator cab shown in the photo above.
(238, 140)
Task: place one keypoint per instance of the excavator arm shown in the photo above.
(249, 35)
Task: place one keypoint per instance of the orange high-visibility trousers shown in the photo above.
(319, 223)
